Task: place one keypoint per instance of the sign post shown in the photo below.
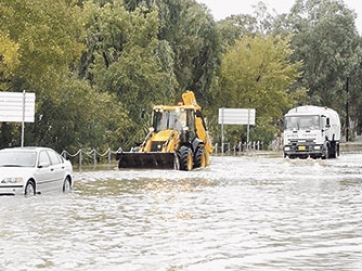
(222, 130)
(237, 116)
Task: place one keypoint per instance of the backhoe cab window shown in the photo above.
(172, 120)
(160, 120)
(302, 122)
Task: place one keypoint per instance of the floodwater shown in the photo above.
(241, 213)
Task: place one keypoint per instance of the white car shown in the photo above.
(33, 170)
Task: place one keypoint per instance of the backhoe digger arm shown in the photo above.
(188, 98)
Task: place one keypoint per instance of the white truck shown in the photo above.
(311, 131)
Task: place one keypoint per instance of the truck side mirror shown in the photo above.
(328, 124)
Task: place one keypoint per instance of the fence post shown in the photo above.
(109, 156)
(240, 145)
(80, 159)
(216, 148)
(94, 158)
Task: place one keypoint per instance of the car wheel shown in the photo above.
(67, 186)
(30, 188)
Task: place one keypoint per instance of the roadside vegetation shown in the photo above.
(95, 66)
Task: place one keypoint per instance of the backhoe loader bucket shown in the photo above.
(150, 160)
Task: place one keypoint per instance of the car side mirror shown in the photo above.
(43, 164)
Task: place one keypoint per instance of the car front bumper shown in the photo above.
(11, 189)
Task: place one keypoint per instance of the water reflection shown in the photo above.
(241, 213)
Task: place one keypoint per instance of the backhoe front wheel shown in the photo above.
(200, 159)
(186, 159)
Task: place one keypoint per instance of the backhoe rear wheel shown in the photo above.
(200, 159)
(186, 159)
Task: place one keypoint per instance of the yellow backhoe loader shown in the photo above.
(178, 139)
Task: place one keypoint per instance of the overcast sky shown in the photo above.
(223, 8)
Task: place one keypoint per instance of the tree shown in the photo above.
(327, 41)
(150, 53)
(80, 118)
(188, 32)
(122, 56)
(256, 73)
(43, 37)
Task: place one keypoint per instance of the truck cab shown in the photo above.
(311, 131)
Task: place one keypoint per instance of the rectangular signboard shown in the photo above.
(238, 116)
(17, 107)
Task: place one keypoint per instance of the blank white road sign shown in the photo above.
(17, 107)
(238, 116)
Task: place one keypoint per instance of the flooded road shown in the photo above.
(241, 213)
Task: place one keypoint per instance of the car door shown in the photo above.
(58, 170)
(44, 174)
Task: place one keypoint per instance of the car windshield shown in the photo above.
(302, 122)
(17, 159)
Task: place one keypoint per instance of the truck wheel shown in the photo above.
(334, 150)
(200, 159)
(186, 159)
(326, 152)
(337, 149)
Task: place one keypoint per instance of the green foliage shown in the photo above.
(96, 64)
(46, 32)
(328, 44)
(151, 53)
(191, 33)
(235, 27)
(122, 56)
(256, 73)
(9, 60)
(79, 118)
(45, 46)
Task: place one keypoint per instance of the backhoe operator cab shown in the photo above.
(180, 120)
(311, 131)
(176, 119)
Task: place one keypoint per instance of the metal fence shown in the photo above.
(93, 158)
(241, 148)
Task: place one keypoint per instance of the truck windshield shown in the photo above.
(302, 122)
(172, 120)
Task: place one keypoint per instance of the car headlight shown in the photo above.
(287, 148)
(12, 180)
